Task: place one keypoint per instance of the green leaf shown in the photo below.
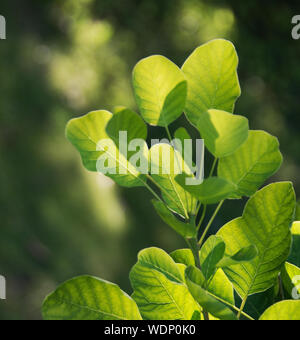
(295, 253)
(246, 254)
(297, 217)
(182, 134)
(88, 134)
(290, 275)
(129, 121)
(265, 224)
(223, 132)
(184, 137)
(196, 316)
(166, 164)
(195, 281)
(85, 132)
(211, 254)
(89, 298)
(288, 310)
(219, 285)
(160, 89)
(186, 230)
(211, 191)
(211, 72)
(184, 256)
(159, 288)
(253, 163)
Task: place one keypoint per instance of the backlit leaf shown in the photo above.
(160, 89)
(89, 298)
(211, 254)
(159, 288)
(253, 163)
(195, 281)
(186, 230)
(290, 275)
(166, 164)
(265, 224)
(211, 191)
(211, 72)
(295, 253)
(288, 310)
(88, 134)
(223, 132)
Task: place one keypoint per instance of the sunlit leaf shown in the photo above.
(184, 256)
(89, 298)
(288, 310)
(253, 163)
(290, 275)
(195, 282)
(219, 285)
(166, 164)
(159, 288)
(223, 132)
(128, 121)
(88, 134)
(184, 137)
(211, 191)
(160, 89)
(265, 224)
(211, 72)
(187, 230)
(295, 253)
(211, 254)
(297, 217)
(246, 254)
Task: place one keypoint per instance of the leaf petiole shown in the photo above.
(210, 223)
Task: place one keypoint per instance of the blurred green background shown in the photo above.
(64, 58)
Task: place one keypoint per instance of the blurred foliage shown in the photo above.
(64, 58)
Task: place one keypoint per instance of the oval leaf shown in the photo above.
(211, 254)
(159, 288)
(252, 164)
(290, 275)
(266, 224)
(166, 164)
(283, 311)
(211, 191)
(184, 256)
(128, 121)
(219, 285)
(211, 72)
(195, 281)
(246, 254)
(223, 132)
(160, 89)
(297, 217)
(88, 134)
(186, 230)
(295, 253)
(89, 298)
